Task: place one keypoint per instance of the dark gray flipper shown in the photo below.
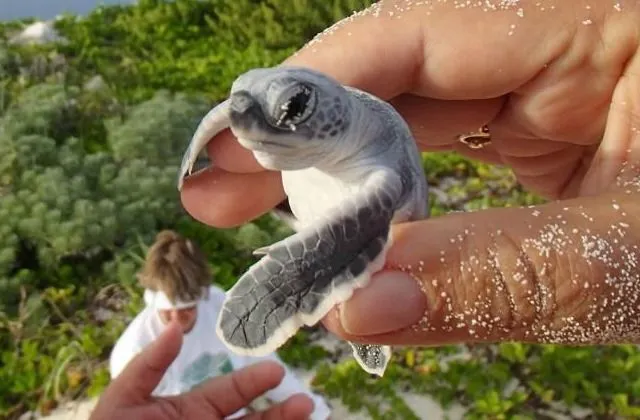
(213, 123)
(373, 358)
(303, 276)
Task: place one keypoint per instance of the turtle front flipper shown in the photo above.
(303, 276)
(216, 120)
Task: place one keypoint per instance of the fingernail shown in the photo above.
(392, 301)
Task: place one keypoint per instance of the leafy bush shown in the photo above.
(190, 45)
(91, 133)
(63, 202)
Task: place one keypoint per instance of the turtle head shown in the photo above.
(289, 117)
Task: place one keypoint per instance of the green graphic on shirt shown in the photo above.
(204, 367)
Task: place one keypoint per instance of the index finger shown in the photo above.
(144, 372)
(442, 50)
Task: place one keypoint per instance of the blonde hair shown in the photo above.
(177, 267)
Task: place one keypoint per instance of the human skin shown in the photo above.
(129, 395)
(558, 84)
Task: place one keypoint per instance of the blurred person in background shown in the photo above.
(177, 283)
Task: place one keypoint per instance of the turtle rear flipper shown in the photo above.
(303, 276)
(372, 358)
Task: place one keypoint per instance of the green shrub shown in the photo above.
(61, 201)
(189, 45)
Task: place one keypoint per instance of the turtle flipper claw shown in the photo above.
(216, 120)
(262, 250)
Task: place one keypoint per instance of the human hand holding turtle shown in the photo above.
(557, 83)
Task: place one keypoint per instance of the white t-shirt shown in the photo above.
(202, 356)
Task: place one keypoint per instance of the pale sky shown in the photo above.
(47, 9)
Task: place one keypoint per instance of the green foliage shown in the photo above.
(54, 346)
(155, 130)
(63, 200)
(191, 45)
(299, 351)
(504, 381)
(91, 133)
(459, 184)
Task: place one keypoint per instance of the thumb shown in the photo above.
(564, 272)
(144, 372)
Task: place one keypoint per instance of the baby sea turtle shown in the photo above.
(350, 168)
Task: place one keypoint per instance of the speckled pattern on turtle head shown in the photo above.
(350, 168)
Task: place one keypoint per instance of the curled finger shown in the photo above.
(226, 153)
(224, 199)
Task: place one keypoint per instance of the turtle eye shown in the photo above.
(296, 108)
